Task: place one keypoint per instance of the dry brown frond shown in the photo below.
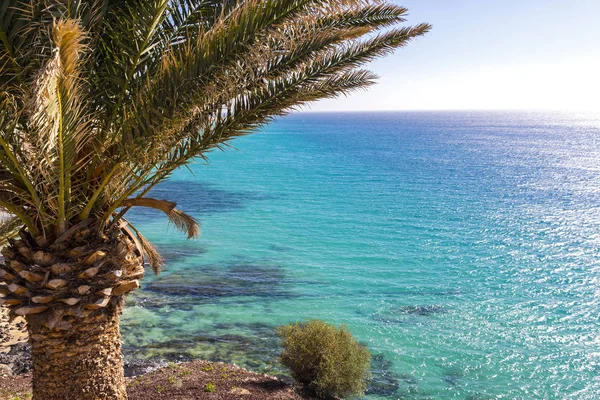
(185, 223)
(153, 257)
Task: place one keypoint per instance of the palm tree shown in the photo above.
(101, 101)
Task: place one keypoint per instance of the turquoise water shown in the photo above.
(462, 248)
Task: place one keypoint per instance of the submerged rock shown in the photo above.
(422, 310)
(408, 314)
(240, 280)
(384, 381)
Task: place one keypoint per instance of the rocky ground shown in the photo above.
(185, 381)
(14, 350)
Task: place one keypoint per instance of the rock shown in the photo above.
(5, 370)
(17, 360)
(15, 352)
(240, 391)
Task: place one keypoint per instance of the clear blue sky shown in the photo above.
(490, 54)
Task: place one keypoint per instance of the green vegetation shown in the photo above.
(208, 368)
(210, 388)
(6, 394)
(326, 359)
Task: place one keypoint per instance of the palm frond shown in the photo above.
(179, 219)
(190, 67)
(10, 26)
(268, 98)
(153, 257)
(185, 223)
(135, 31)
(61, 125)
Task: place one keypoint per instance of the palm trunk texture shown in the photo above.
(71, 293)
(88, 357)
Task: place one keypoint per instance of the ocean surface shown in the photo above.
(463, 248)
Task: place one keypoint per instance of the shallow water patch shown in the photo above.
(453, 376)
(174, 254)
(279, 248)
(409, 314)
(211, 283)
(384, 381)
(253, 345)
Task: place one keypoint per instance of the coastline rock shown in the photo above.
(15, 352)
(17, 360)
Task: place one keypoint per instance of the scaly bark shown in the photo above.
(88, 356)
(71, 291)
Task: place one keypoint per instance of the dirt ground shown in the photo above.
(185, 381)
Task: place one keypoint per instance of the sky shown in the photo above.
(490, 55)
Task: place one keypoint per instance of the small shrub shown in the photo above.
(210, 388)
(326, 359)
(208, 368)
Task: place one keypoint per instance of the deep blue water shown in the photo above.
(462, 248)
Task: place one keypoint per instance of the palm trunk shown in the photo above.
(88, 357)
(71, 293)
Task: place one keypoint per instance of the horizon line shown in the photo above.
(546, 110)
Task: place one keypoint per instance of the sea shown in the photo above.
(463, 248)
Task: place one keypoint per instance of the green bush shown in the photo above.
(326, 359)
